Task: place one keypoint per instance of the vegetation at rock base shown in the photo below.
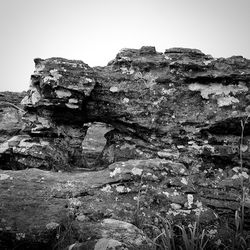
(165, 234)
(169, 236)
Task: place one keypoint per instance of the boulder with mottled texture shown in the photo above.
(178, 147)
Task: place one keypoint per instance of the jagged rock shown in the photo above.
(179, 102)
(172, 111)
(24, 151)
(10, 114)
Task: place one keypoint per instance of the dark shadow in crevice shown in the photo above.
(230, 126)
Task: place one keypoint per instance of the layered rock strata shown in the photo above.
(178, 122)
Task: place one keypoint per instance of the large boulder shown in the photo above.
(181, 103)
(178, 147)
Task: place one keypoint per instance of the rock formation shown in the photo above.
(176, 122)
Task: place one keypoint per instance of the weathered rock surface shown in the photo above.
(177, 139)
(42, 209)
(39, 209)
(159, 104)
(10, 114)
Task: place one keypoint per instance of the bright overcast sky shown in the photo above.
(95, 30)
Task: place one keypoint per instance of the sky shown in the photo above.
(95, 30)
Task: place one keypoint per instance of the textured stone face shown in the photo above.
(11, 113)
(168, 104)
(175, 123)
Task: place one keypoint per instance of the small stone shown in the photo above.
(245, 175)
(184, 181)
(63, 93)
(190, 199)
(52, 226)
(125, 100)
(243, 148)
(73, 101)
(236, 169)
(120, 189)
(115, 172)
(35, 97)
(20, 236)
(113, 89)
(4, 177)
(235, 176)
(82, 218)
(107, 189)
(72, 106)
(137, 171)
(175, 206)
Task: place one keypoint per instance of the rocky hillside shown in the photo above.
(176, 148)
